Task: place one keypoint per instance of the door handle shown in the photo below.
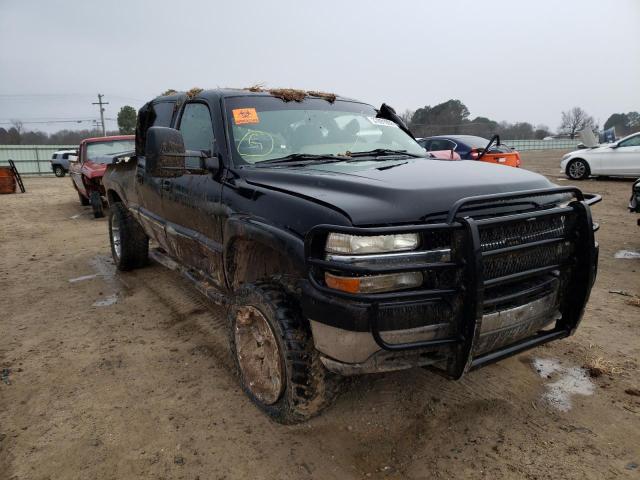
(166, 185)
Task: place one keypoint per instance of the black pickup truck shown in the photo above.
(339, 248)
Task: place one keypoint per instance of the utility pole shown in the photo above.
(101, 103)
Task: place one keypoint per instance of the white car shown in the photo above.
(621, 158)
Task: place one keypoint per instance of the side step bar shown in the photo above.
(204, 287)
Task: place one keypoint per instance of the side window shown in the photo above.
(196, 127)
(65, 156)
(631, 142)
(164, 114)
(441, 144)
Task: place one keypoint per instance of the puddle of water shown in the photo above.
(627, 254)
(105, 302)
(83, 278)
(104, 267)
(565, 382)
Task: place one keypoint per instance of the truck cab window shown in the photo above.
(164, 113)
(196, 127)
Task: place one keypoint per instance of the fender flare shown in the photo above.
(287, 243)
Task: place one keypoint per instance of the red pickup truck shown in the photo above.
(88, 168)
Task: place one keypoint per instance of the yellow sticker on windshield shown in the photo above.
(245, 116)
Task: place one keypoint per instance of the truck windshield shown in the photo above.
(267, 128)
(97, 151)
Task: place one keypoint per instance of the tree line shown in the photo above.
(453, 117)
(448, 118)
(18, 135)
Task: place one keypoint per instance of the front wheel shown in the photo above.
(578, 169)
(58, 171)
(279, 368)
(129, 243)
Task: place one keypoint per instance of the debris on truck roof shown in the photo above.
(293, 94)
(285, 94)
(193, 92)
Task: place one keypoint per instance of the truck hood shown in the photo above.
(396, 191)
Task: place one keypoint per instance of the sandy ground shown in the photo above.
(118, 376)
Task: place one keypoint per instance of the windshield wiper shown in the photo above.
(303, 157)
(382, 152)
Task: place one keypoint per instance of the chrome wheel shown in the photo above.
(578, 170)
(115, 236)
(258, 355)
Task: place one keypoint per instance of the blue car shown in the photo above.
(469, 147)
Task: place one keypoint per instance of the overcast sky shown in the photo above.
(505, 59)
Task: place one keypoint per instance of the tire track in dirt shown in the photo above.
(191, 314)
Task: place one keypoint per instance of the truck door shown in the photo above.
(75, 170)
(191, 202)
(150, 189)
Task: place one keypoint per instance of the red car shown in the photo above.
(88, 168)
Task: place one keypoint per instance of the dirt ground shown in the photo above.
(115, 376)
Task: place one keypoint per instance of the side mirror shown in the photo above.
(164, 152)
(615, 145)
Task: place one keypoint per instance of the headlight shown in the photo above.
(369, 250)
(565, 156)
(355, 244)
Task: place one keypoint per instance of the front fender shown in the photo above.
(257, 234)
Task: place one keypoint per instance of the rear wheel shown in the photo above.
(578, 169)
(84, 201)
(279, 368)
(58, 171)
(129, 243)
(96, 204)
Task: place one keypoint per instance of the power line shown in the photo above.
(62, 96)
(28, 122)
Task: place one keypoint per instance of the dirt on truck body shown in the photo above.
(340, 247)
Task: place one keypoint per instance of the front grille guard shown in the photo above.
(470, 259)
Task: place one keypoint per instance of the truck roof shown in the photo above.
(287, 94)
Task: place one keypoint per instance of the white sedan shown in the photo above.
(621, 158)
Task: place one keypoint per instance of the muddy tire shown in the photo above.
(96, 204)
(129, 243)
(278, 366)
(84, 201)
(58, 171)
(578, 169)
